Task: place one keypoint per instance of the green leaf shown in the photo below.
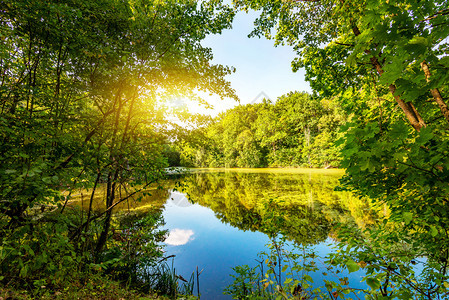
(351, 60)
(373, 283)
(419, 40)
(352, 266)
(433, 231)
(408, 216)
(308, 278)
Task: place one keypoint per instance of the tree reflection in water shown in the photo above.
(301, 205)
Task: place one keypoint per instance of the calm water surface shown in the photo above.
(219, 219)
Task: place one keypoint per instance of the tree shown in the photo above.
(297, 130)
(395, 41)
(270, 131)
(82, 84)
(301, 114)
(387, 64)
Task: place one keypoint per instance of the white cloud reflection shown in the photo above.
(178, 237)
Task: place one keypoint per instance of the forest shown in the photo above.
(297, 130)
(85, 102)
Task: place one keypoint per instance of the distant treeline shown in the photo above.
(298, 130)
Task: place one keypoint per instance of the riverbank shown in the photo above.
(291, 170)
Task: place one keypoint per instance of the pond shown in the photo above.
(218, 219)
(221, 218)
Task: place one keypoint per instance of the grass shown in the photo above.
(93, 287)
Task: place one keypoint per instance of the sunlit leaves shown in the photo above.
(408, 216)
(373, 283)
(352, 266)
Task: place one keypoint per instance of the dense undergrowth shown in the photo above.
(47, 259)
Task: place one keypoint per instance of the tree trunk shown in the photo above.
(436, 93)
(408, 108)
(112, 180)
(89, 212)
(307, 136)
(110, 196)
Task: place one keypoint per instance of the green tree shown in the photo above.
(343, 45)
(387, 64)
(82, 86)
(301, 114)
(271, 131)
(297, 130)
(237, 139)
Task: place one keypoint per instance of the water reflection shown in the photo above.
(220, 219)
(179, 199)
(301, 206)
(178, 237)
(151, 198)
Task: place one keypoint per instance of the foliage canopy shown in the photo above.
(82, 90)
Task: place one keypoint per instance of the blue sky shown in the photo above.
(261, 67)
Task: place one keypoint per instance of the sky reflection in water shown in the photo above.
(214, 246)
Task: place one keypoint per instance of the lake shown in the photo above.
(221, 218)
(218, 219)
